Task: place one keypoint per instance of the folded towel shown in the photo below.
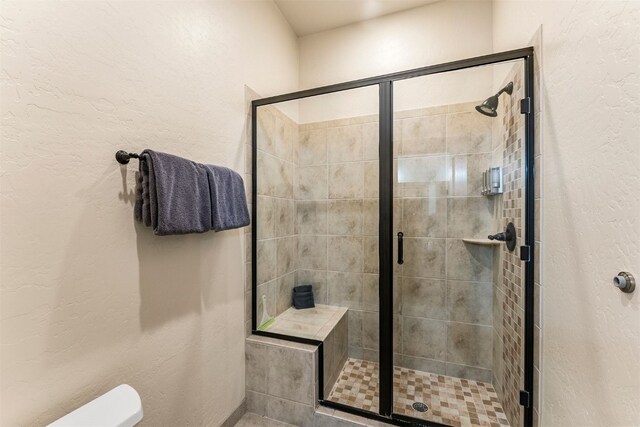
(302, 288)
(178, 196)
(145, 168)
(142, 209)
(137, 208)
(303, 297)
(175, 194)
(228, 200)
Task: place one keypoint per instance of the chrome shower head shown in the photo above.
(490, 105)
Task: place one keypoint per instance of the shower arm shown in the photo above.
(508, 88)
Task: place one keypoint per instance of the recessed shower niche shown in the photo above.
(381, 195)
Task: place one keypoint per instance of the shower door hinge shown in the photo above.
(525, 253)
(525, 105)
(525, 399)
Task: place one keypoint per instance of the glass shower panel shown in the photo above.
(317, 225)
(458, 296)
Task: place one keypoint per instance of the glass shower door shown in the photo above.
(407, 225)
(451, 361)
(317, 221)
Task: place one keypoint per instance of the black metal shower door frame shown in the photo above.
(385, 84)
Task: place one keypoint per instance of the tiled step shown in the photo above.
(281, 379)
(282, 384)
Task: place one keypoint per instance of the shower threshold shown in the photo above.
(449, 400)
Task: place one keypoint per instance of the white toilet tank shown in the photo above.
(120, 407)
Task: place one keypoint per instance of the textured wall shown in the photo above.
(90, 299)
(590, 224)
(432, 34)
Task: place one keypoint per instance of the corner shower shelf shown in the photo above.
(482, 242)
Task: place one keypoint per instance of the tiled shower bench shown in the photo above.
(282, 377)
(324, 323)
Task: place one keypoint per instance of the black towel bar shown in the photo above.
(123, 157)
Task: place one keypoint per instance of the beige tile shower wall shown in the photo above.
(508, 280)
(336, 199)
(445, 284)
(443, 292)
(276, 242)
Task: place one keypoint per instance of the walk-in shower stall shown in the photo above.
(406, 202)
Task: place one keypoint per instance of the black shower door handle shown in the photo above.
(400, 247)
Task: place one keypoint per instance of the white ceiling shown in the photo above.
(312, 16)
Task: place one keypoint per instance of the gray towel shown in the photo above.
(175, 194)
(142, 207)
(228, 200)
(178, 196)
(137, 208)
(146, 172)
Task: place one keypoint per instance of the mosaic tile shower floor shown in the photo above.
(452, 401)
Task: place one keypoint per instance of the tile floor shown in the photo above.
(452, 401)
